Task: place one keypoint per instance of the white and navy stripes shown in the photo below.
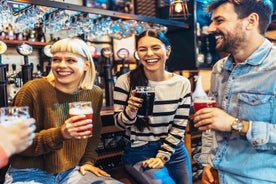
(170, 113)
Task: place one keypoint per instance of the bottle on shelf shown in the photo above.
(11, 35)
(20, 36)
(40, 35)
(2, 33)
(208, 57)
(200, 56)
(32, 36)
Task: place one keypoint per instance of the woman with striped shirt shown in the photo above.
(154, 152)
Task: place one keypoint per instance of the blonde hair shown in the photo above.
(76, 46)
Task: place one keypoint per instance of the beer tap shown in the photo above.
(3, 77)
(15, 78)
(123, 54)
(32, 69)
(38, 73)
(25, 50)
(14, 83)
(47, 52)
(106, 54)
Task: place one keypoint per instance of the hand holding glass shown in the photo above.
(17, 129)
(82, 108)
(200, 103)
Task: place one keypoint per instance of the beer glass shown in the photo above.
(200, 103)
(147, 94)
(82, 108)
(12, 115)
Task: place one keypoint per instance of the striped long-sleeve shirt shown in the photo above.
(170, 113)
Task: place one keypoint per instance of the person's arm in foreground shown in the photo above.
(15, 138)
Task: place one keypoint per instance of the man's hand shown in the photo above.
(209, 175)
(213, 118)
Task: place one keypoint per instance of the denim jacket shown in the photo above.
(246, 91)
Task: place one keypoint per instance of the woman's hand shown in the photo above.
(154, 163)
(134, 103)
(97, 171)
(76, 127)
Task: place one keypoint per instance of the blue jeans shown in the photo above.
(71, 176)
(176, 171)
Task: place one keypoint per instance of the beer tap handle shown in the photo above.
(38, 68)
(26, 60)
(14, 68)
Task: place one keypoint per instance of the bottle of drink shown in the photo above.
(200, 98)
(199, 91)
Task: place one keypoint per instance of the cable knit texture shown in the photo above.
(49, 106)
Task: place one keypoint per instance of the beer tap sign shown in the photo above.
(47, 51)
(123, 53)
(3, 47)
(3, 77)
(25, 50)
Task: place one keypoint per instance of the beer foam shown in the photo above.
(77, 111)
(204, 101)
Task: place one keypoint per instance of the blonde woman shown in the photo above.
(56, 155)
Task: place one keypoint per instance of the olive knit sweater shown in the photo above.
(49, 107)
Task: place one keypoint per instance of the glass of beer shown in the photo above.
(147, 94)
(200, 103)
(11, 115)
(82, 108)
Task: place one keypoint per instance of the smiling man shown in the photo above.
(242, 145)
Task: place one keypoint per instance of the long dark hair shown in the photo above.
(137, 76)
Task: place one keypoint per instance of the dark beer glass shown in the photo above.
(147, 94)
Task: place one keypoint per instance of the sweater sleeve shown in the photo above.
(122, 115)
(4, 159)
(46, 139)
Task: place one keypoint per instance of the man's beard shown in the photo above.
(230, 42)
